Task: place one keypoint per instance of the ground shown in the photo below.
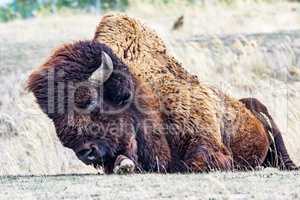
(266, 184)
(29, 145)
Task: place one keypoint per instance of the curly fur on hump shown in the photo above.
(209, 128)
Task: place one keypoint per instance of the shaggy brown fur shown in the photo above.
(209, 128)
(150, 110)
(64, 93)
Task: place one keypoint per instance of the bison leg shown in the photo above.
(285, 162)
(277, 154)
(203, 159)
(124, 165)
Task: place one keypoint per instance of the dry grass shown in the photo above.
(27, 139)
(267, 184)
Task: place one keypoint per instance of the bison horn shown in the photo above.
(104, 71)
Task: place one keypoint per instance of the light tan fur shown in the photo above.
(199, 114)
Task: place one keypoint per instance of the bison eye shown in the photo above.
(83, 103)
(83, 97)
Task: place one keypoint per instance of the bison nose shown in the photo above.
(90, 155)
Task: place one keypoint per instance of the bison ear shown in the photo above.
(103, 73)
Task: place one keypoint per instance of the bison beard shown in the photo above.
(149, 111)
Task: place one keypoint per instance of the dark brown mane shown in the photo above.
(74, 63)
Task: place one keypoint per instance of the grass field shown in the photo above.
(29, 144)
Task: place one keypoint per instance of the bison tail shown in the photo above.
(277, 155)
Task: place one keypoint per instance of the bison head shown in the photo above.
(86, 90)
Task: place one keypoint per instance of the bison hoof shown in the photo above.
(291, 167)
(124, 165)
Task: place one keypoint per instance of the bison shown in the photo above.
(121, 102)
